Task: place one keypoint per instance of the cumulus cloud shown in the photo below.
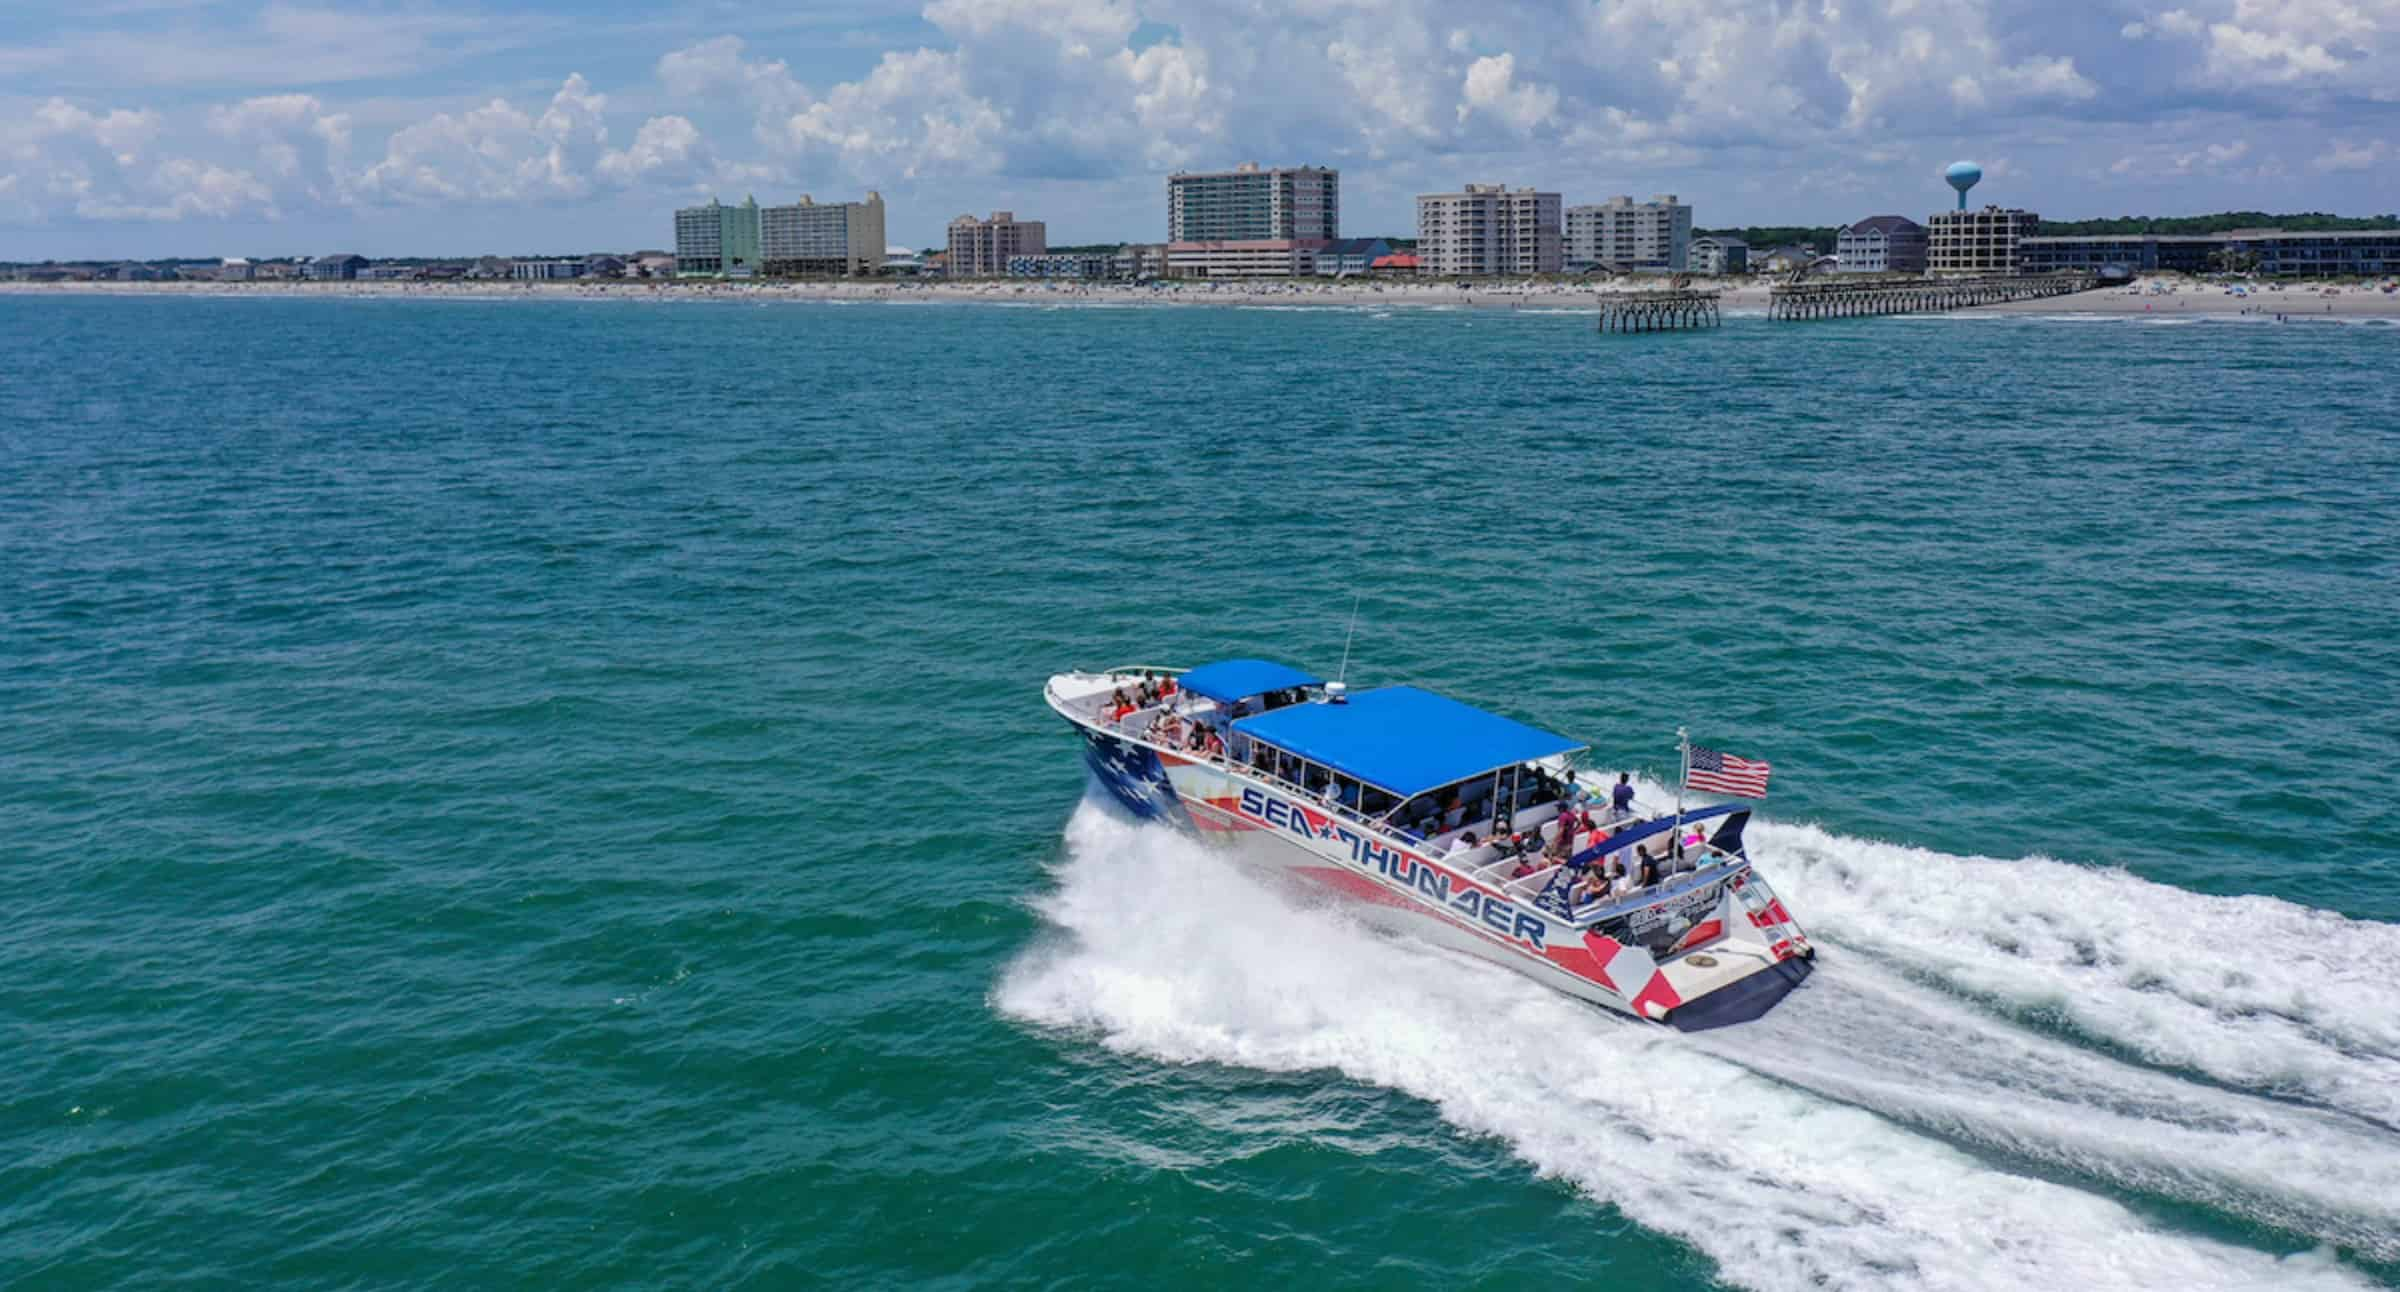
(2265, 47)
(495, 153)
(664, 150)
(715, 69)
(1018, 93)
(292, 143)
(2347, 156)
(1491, 87)
(68, 161)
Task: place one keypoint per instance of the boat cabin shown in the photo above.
(1422, 769)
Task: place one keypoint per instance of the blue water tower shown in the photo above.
(1963, 176)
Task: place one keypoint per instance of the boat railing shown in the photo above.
(1666, 889)
(1122, 670)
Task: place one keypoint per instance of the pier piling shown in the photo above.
(1666, 311)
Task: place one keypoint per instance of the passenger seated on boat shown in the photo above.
(1463, 843)
(1120, 704)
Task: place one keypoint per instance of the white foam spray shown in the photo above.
(2252, 992)
(1772, 1168)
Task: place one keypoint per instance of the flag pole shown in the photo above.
(1683, 747)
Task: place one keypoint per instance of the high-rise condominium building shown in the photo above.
(983, 248)
(1249, 222)
(1976, 242)
(1488, 230)
(1656, 234)
(718, 239)
(809, 237)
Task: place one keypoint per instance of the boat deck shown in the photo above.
(1167, 728)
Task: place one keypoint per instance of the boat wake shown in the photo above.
(1991, 1057)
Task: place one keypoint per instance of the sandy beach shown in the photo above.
(2170, 295)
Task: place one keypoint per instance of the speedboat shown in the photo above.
(1444, 820)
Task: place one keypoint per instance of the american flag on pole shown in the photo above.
(1721, 773)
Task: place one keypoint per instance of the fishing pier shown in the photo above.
(1664, 311)
(1831, 299)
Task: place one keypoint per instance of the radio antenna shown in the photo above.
(1344, 675)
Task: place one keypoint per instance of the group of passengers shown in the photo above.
(1622, 877)
(1581, 823)
(1151, 689)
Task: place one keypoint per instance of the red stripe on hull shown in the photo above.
(1363, 888)
(1701, 935)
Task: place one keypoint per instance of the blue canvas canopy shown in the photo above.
(1731, 840)
(1404, 740)
(1229, 680)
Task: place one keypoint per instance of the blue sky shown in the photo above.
(207, 127)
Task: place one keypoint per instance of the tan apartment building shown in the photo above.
(812, 237)
(983, 248)
(1976, 242)
(1488, 229)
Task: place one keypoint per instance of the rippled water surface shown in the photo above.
(510, 794)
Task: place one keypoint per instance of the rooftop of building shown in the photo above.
(1250, 168)
(1886, 224)
(2231, 235)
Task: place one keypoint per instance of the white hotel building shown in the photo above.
(1251, 223)
(1655, 235)
(1488, 230)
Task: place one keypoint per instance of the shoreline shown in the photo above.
(2152, 297)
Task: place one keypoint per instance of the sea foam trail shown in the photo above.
(1168, 951)
(1865, 1035)
(2254, 992)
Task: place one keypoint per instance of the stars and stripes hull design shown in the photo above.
(1710, 948)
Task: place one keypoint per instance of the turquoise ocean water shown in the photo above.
(557, 795)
